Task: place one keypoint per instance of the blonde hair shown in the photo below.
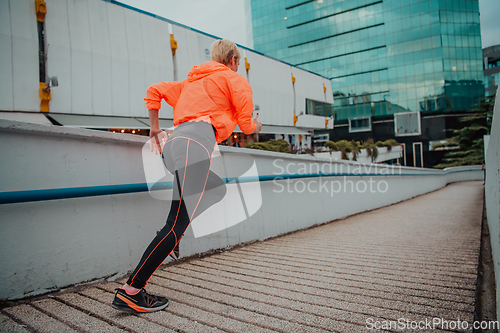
(223, 50)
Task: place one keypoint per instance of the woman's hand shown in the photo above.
(258, 124)
(156, 139)
(156, 135)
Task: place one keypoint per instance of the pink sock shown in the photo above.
(130, 290)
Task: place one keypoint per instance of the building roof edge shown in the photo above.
(118, 3)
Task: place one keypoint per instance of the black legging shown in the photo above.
(187, 155)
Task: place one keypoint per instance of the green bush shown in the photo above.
(355, 149)
(470, 136)
(390, 143)
(387, 143)
(345, 147)
(371, 149)
(332, 146)
(280, 146)
(259, 146)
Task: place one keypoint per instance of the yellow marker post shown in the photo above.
(41, 10)
(173, 44)
(44, 97)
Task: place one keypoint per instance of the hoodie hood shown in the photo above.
(205, 69)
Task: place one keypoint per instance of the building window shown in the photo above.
(321, 138)
(360, 125)
(494, 64)
(319, 108)
(407, 124)
(491, 80)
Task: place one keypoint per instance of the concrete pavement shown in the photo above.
(413, 262)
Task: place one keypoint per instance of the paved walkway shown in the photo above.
(415, 260)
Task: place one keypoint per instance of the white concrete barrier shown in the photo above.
(75, 204)
(492, 196)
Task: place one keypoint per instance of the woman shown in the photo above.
(207, 107)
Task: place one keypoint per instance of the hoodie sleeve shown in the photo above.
(169, 91)
(241, 97)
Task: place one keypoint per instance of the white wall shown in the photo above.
(105, 57)
(19, 82)
(271, 83)
(306, 88)
(492, 190)
(309, 120)
(51, 244)
(188, 53)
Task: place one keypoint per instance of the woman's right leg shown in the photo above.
(132, 297)
(189, 159)
(191, 171)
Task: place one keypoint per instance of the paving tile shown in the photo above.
(330, 257)
(449, 293)
(390, 274)
(39, 321)
(304, 309)
(9, 325)
(275, 280)
(72, 316)
(225, 307)
(197, 310)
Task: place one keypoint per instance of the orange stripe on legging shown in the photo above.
(203, 188)
(206, 179)
(175, 221)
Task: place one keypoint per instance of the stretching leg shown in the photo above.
(191, 163)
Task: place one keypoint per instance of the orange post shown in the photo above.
(173, 44)
(41, 10)
(44, 97)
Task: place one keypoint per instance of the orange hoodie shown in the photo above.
(211, 89)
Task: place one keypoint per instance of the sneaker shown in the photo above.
(140, 302)
(175, 253)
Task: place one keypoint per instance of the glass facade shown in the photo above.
(491, 80)
(491, 67)
(382, 56)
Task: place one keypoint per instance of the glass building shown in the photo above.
(491, 58)
(382, 56)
